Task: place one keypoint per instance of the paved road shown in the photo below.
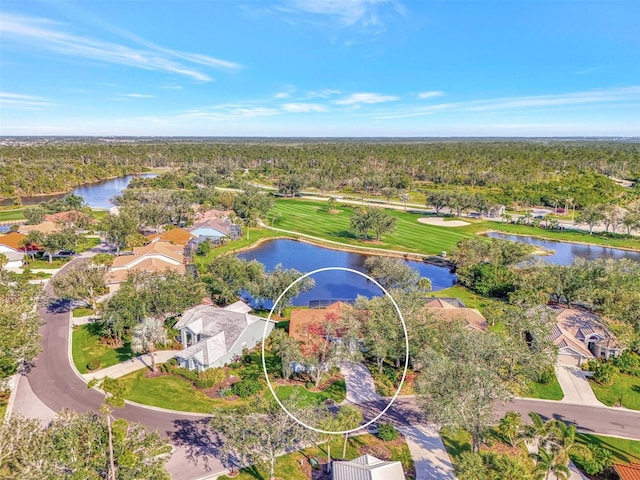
(57, 385)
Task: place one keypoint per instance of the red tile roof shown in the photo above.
(628, 472)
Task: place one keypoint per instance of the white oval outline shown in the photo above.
(406, 342)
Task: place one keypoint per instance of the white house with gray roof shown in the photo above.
(367, 467)
(214, 336)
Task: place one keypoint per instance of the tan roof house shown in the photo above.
(154, 257)
(47, 226)
(448, 309)
(302, 318)
(627, 472)
(177, 236)
(582, 336)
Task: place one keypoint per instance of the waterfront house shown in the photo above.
(213, 336)
(176, 236)
(448, 309)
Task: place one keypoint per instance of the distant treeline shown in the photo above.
(522, 171)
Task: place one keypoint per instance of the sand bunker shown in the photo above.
(441, 222)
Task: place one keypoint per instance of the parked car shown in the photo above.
(64, 254)
(126, 252)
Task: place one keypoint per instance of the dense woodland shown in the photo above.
(530, 172)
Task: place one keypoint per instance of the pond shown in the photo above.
(97, 194)
(565, 252)
(335, 284)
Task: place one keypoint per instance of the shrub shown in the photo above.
(93, 365)
(590, 365)
(628, 362)
(604, 373)
(383, 385)
(247, 388)
(224, 392)
(7, 367)
(387, 432)
(309, 385)
(546, 376)
(208, 378)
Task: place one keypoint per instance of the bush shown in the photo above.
(309, 385)
(383, 385)
(247, 388)
(93, 365)
(208, 378)
(546, 376)
(590, 365)
(387, 432)
(603, 373)
(224, 392)
(8, 367)
(628, 362)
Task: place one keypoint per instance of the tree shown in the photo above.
(34, 215)
(348, 418)
(370, 218)
(83, 281)
(511, 427)
(290, 186)
(229, 275)
(277, 281)
(389, 192)
(19, 322)
(360, 223)
(438, 200)
(145, 337)
(391, 272)
(287, 348)
(631, 221)
(464, 383)
(470, 466)
(52, 242)
(251, 204)
(592, 216)
(404, 197)
(613, 218)
(115, 228)
(548, 462)
(261, 432)
(3, 260)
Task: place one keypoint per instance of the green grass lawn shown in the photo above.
(337, 391)
(81, 312)
(86, 346)
(469, 298)
(624, 386)
(171, 392)
(313, 218)
(44, 263)
(11, 215)
(87, 243)
(624, 451)
(456, 442)
(550, 391)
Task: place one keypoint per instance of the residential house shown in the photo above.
(45, 226)
(495, 211)
(302, 318)
(10, 247)
(53, 222)
(582, 336)
(154, 257)
(213, 336)
(627, 471)
(452, 308)
(367, 467)
(216, 230)
(176, 236)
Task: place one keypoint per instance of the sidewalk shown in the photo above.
(131, 365)
(575, 387)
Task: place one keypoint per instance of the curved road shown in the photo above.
(54, 381)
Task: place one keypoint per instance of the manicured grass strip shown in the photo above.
(44, 264)
(313, 218)
(86, 346)
(550, 391)
(624, 451)
(625, 387)
(82, 312)
(337, 392)
(11, 215)
(171, 392)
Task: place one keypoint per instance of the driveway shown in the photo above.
(360, 386)
(575, 386)
(429, 455)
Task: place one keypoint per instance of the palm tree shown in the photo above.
(511, 428)
(146, 335)
(549, 461)
(3, 260)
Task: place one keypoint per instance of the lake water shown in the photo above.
(565, 252)
(97, 194)
(334, 284)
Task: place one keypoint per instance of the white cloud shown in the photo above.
(23, 102)
(172, 87)
(369, 98)
(303, 107)
(137, 95)
(430, 94)
(347, 12)
(44, 34)
(230, 112)
(600, 96)
(322, 93)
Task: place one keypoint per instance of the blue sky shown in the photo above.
(320, 68)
